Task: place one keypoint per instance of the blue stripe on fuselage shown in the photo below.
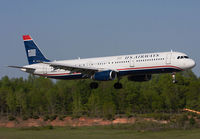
(148, 71)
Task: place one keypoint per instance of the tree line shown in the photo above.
(38, 96)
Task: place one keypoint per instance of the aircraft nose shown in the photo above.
(192, 63)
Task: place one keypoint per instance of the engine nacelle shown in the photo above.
(104, 75)
(140, 78)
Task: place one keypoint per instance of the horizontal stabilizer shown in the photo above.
(18, 67)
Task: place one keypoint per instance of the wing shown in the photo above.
(80, 69)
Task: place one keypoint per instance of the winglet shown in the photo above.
(27, 37)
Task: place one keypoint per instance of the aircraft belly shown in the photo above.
(149, 70)
(67, 76)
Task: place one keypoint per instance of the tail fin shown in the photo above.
(33, 53)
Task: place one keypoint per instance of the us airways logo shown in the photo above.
(143, 56)
(31, 52)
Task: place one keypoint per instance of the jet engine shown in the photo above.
(105, 75)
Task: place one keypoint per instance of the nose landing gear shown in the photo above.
(174, 78)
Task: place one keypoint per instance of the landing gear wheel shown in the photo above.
(94, 85)
(117, 85)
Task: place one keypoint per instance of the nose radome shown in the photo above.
(192, 64)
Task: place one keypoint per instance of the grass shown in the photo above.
(100, 132)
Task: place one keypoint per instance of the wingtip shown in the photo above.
(27, 37)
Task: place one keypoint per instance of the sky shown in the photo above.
(68, 29)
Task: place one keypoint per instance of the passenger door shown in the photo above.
(168, 58)
(132, 62)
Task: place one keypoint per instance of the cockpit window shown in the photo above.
(182, 57)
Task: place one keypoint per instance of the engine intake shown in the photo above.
(140, 78)
(104, 75)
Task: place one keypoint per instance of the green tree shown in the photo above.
(93, 105)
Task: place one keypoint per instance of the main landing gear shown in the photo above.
(94, 85)
(118, 85)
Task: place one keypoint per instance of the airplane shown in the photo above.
(137, 67)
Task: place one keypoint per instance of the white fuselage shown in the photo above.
(149, 63)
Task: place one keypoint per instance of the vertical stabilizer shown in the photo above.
(33, 53)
